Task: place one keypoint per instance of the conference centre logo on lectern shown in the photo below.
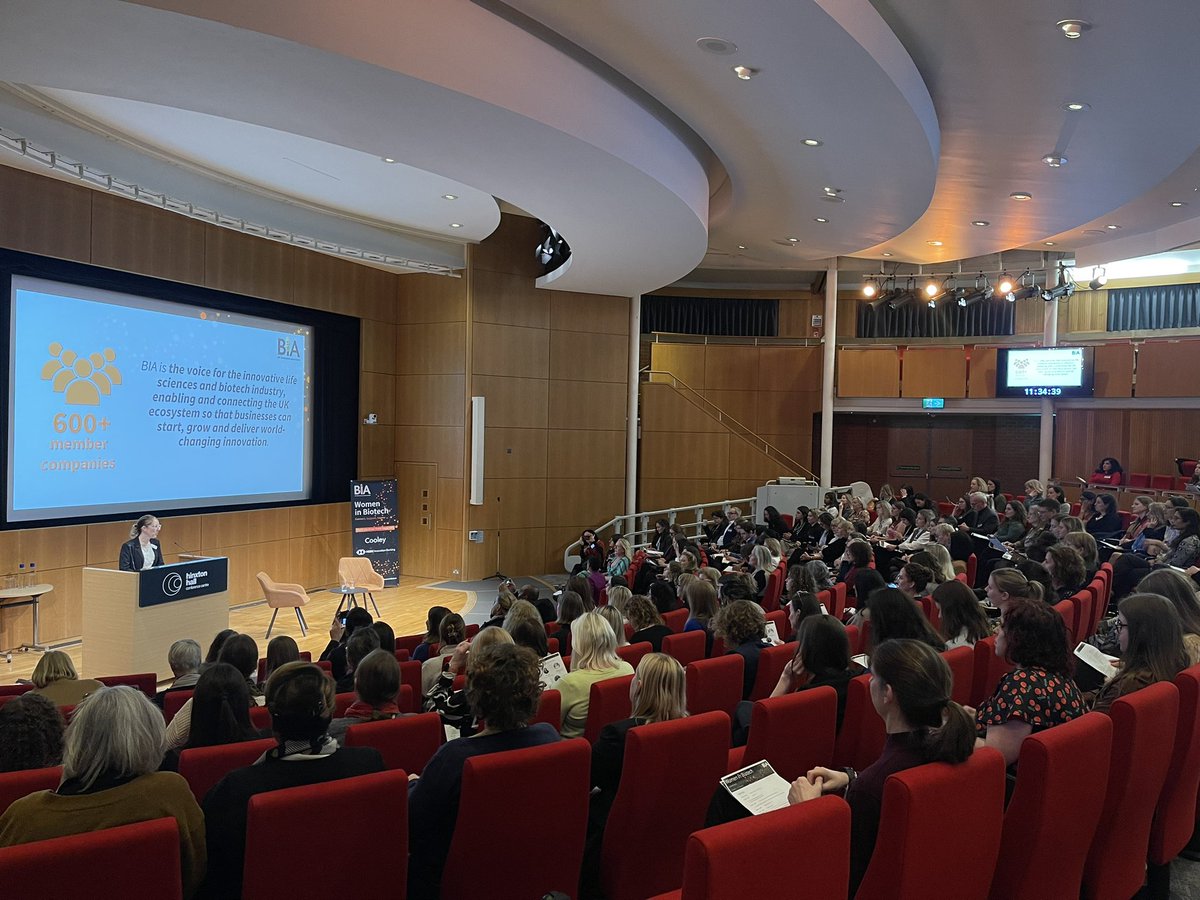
(82, 378)
(172, 584)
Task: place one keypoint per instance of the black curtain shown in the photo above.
(706, 315)
(1160, 306)
(917, 319)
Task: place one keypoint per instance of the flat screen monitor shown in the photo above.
(1050, 372)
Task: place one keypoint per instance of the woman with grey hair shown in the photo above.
(114, 746)
(184, 658)
(820, 574)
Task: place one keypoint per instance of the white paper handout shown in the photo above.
(757, 787)
(1101, 662)
(553, 671)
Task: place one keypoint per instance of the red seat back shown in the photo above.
(549, 710)
(1139, 479)
(146, 682)
(260, 718)
(1162, 482)
(495, 784)
(972, 566)
(839, 599)
(410, 674)
(930, 611)
(1175, 817)
(771, 662)
(989, 669)
(1144, 725)
(15, 785)
(773, 591)
(686, 647)
(963, 805)
(715, 684)
(14, 690)
(203, 767)
(1069, 611)
(551, 645)
(377, 804)
(862, 737)
(676, 619)
(173, 701)
(405, 743)
(961, 661)
(782, 626)
(609, 702)
(715, 862)
(628, 631)
(633, 653)
(471, 630)
(88, 863)
(409, 642)
(670, 772)
(854, 637)
(793, 733)
(1085, 605)
(1054, 811)
(826, 599)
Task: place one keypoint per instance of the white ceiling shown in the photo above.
(605, 120)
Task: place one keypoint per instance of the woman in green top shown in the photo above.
(593, 658)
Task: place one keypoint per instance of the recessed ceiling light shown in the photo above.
(741, 246)
(745, 73)
(1021, 195)
(820, 219)
(456, 224)
(1054, 161)
(886, 253)
(980, 223)
(832, 191)
(1177, 203)
(449, 196)
(1048, 243)
(387, 159)
(1076, 106)
(792, 240)
(719, 46)
(1112, 227)
(934, 243)
(1073, 28)
(1094, 232)
(811, 142)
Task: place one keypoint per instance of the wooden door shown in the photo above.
(908, 454)
(416, 500)
(950, 448)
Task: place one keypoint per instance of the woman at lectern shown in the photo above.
(142, 550)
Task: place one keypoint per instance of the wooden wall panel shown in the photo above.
(524, 550)
(1168, 369)
(1087, 311)
(1113, 369)
(600, 453)
(739, 405)
(868, 373)
(44, 215)
(684, 361)
(789, 368)
(795, 316)
(501, 298)
(509, 350)
(137, 238)
(437, 444)
(431, 298)
(729, 366)
(575, 356)
(436, 348)
(243, 264)
(377, 351)
(509, 248)
(376, 451)
(665, 409)
(587, 404)
(934, 372)
(679, 456)
(663, 493)
(326, 282)
(430, 400)
(588, 312)
(982, 382)
(514, 402)
(572, 503)
(786, 412)
(515, 452)
(377, 394)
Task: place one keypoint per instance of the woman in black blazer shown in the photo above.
(144, 538)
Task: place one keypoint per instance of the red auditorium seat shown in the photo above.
(862, 737)
(326, 666)
(146, 682)
(787, 520)
(670, 772)
(409, 642)
(687, 647)
(1052, 816)
(607, 703)
(15, 785)
(376, 804)
(173, 701)
(203, 767)
(717, 649)
(628, 631)
(410, 674)
(633, 653)
(989, 669)
(714, 684)
(1144, 725)
(773, 591)
(551, 645)
(771, 662)
(471, 630)
(793, 733)
(260, 718)
(405, 743)
(828, 599)
(480, 862)
(963, 806)
(676, 619)
(930, 611)
(972, 567)
(14, 690)
(715, 862)
(839, 599)
(549, 710)
(854, 636)
(1138, 480)
(961, 661)
(1085, 606)
(342, 702)
(1069, 611)
(145, 852)
(782, 625)
(1175, 817)
(1162, 482)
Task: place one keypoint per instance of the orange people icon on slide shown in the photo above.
(82, 378)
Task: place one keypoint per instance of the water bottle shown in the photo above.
(32, 574)
(21, 575)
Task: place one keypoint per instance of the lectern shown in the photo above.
(130, 619)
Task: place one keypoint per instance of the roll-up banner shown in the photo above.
(373, 526)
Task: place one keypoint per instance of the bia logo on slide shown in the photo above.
(288, 348)
(82, 378)
(1020, 364)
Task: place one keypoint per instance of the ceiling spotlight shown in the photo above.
(869, 288)
(792, 240)
(1027, 287)
(949, 288)
(1076, 106)
(1112, 227)
(1054, 161)
(821, 219)
(387, 159)
(1061, 292)
(898, 298)
(745, 73)
(983, 291)
(981, 223)
(1073, 28)
(932, 289)
(741, 246)
(886, 253)
(456, 224)
(1177, 203)
(1004, 285)
(449, 196)
(832, 191)
(1048, 243)
(934, 243)
(719, 46)
(811, 142)
(1099, 278)
(1021, 195)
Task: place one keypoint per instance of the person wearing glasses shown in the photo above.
(142, 550)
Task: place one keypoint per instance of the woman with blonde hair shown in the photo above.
(1086, 545)
(616, 619)
(520, 611)
(622, 556)
(618, 597)
(763, 565)
(55, 678)
(647, 623)
(593, 658)
(943, 568)
(709, 574)
(1034, 491)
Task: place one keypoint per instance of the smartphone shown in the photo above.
(342, 616)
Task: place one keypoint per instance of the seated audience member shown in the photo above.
(895, 617)
(1087, 506)
(300, 697)
(504, 601)
(1181, 592)
(239, 651)
(647, 623)
(520, 611)
(594, 658)
(581, 586)
(1013, 528)
(1149, 523)
(432, 620)
(616, 621)
(911, 691)
(184, 660)
(340, 634)
(1055, 492)
(31, 733)
(622, 555)
(452, 631)
(1105, 521)
(742, 625)
(843, 531)
(595, 577)
(570, 608)
(1062, 525)
(822, 659)
(1039, 693)
(980, 518)
(1181, 552)
(962, 616)
(589, 546)
(503, 688)
(664, 597)
(1036, 573)
(883, 519)
(377, 687)
(533, 635)
(904, 520)
(1150, 635)
(701, 599)
(763, 564)
(452, 704)
(214, 649)
(858, 556)
(661, 540)
(821, 576)
(220, 712)
(1108, 472)
(866, 582)
(55, 678)
(618, 597)
(282, 649)
(113, 748)
(387, 637)
(1034, 491)
(1065, 567)
(922, 532)
(1009, 584)
(1085, 545)
(936, 558)
(914, 580)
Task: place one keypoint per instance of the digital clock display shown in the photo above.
(1043, 392)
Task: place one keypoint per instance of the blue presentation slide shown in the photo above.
(120, 403)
